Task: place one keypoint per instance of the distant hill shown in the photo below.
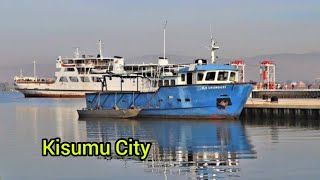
(288, 66)
(294, 67)
(176, 59)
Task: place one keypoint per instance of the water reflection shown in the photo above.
(198, 149)
(47, 122)
(296, 122)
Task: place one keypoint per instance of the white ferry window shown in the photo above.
(223, 76)
(183, 77)
(85, 79)
(166, 82)
(69, 69)
(173, 82)
(94, 79)
(200, 76)
(63, 79)
(160, 83)
(232, 76)
(74, 79)
(210, 76)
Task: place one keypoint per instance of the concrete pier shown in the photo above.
(283, 108)
(287, 93)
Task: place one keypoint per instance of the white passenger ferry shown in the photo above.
(82, 74)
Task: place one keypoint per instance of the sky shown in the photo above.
(42, 30)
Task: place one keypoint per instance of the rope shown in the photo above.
(148, 103)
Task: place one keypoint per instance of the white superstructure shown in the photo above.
(81, 74)
(74, 76)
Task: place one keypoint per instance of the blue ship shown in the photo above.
(199, 91)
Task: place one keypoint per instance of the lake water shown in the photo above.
(181, 149)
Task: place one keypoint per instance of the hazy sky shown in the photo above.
(43, 30)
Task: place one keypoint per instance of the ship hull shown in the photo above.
(182, 101)
(57, 90)
(53, 93)
(108, 113)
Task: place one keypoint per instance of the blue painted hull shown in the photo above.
(184, 101)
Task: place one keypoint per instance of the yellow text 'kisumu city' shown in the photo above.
(122, 147)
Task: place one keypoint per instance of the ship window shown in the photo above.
(187, 100)
(160, 83)
(85, 79)
(223, 76)
(74, 79)
(200, 76)
(69, 69)
(166, 82)
(210, 76)
(183, 77)
(63, 79)
(232, 76)
(96, 79)
(173, 82)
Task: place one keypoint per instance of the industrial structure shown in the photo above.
(239, 64)
(268, 74)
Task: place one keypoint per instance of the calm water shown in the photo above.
(182, 149)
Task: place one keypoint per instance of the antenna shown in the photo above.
(34, 69)
(164, 40)
(213, 47)
(21, 75)
(211, 33)
(100, 44)
(77, 52)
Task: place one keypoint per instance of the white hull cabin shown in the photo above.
(207, 74)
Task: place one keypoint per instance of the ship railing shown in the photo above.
(32, 80)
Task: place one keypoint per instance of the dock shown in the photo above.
(283, 108)
(287, 93)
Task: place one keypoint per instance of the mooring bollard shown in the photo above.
(274, 99)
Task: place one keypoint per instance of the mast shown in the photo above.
(213, 48)
(34, 69)
(100, 44)
(164, 40)
(77, 53)
(21, 75)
